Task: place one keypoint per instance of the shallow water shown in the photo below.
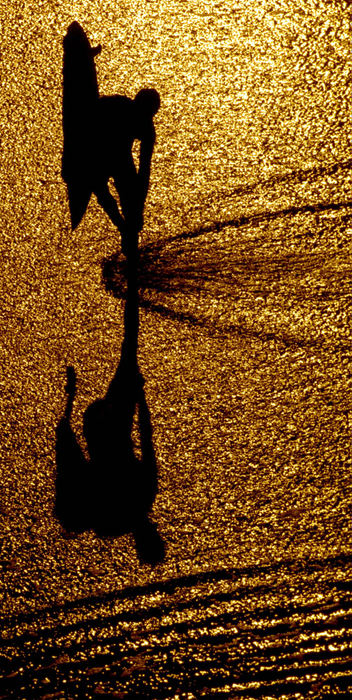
(245, 299)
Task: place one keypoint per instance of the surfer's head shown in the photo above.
(147, 102)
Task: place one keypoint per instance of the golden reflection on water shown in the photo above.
(244, 345)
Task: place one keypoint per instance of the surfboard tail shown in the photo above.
(78, 197)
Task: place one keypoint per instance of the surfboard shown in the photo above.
(80, 96)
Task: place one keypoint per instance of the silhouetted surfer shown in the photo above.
(119, 121)
(99, 133)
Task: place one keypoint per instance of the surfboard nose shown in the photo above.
(75, 28)
(76, 37)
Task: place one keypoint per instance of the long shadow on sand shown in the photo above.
(173, 269)
(112, 492)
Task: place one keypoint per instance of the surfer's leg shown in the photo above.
(127, 189)
(109, 204)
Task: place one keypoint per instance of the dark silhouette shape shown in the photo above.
(118, 122)
(114, 490)
(98, 138)
(72, 476)
(80, 96)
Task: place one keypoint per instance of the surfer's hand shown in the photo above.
(96, 50)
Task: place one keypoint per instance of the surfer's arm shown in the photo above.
(145, 158)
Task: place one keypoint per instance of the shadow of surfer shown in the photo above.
(99, 133)
(112, 492)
